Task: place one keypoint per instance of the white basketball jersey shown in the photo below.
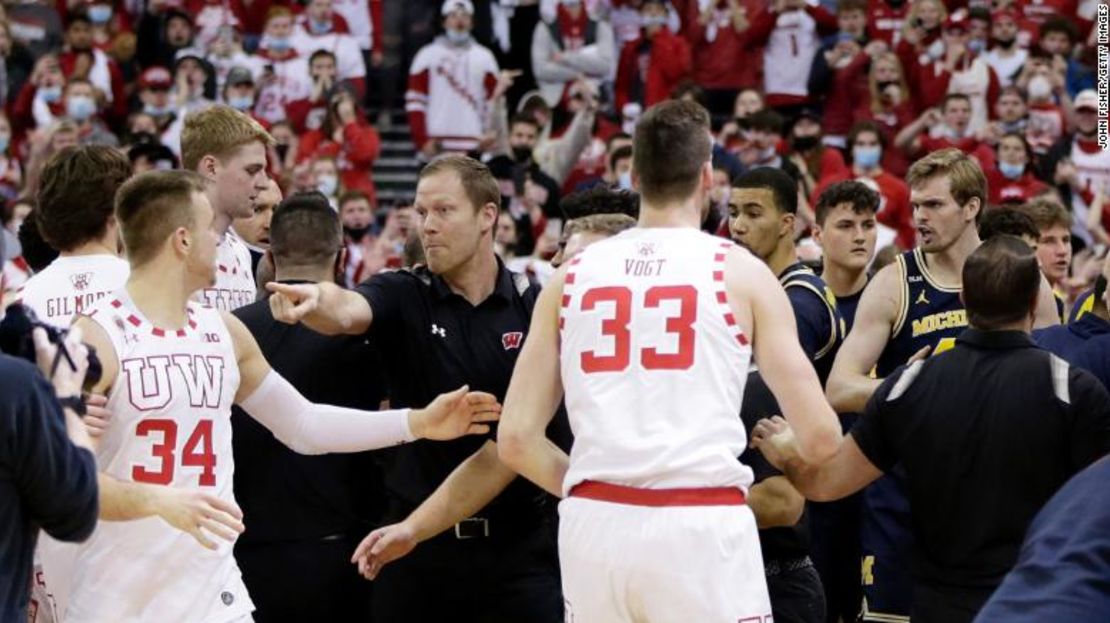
(234, 278)
(653, 363)
(171, 425)
(71, 285)
(1093, 169)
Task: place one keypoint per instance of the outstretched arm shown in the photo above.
(843, 474)
(323, 307)
(534, 394)
(309, 428)
(850, 384)
(469, 488)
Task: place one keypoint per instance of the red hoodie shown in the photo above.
(726, 62)
(667, 63)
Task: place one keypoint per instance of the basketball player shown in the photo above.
(654, 334)
(75, 199)
(847, 233)
(911, 309)
(172, 369)
(228, 148)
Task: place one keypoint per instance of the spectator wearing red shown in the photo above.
(364, 23)
(569, 47)
(356, 213)
(321, 28)
(948, 127)
(959, 71)
(109, 23)
(154, 95)
(790, 32)
(1039, 11)
(308, 113)
(11, 171)
(452, 82)
(814, 159)
(889, 106)
(82, 59)
(1010, 112)
(838, 74)
(40, 100)
(285, 76)
(346, 136)
(1005, 55)
(920, 44)
(717, 31)
(1078, 164)
(1012, 179)
(1048, 102)
(885, 20)
(651, 66)
(866, 144)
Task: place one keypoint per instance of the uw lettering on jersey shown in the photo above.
(72, 285)
(653, 363)
(171, 425)
(234, 285)
(800, 276)
(930, 315)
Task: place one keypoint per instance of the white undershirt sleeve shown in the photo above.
(308, 428)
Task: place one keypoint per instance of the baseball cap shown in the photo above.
(1086, 99)
(1006, 13)
(155, 78)
(451, 6)
(239, 75)
(956, 21)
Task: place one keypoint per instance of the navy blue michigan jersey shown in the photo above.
(820, 328)
(929, 315)
(1083, 305)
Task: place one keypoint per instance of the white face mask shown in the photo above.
(1039, 88)
(327, 184)
(624, 182)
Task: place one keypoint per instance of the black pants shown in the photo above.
(505, 579)
(947, 605)
(305, 581)
(797, 596)
(834, 546)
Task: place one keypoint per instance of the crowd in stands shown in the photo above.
(547, 93)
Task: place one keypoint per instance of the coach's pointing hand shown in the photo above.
(382, 547)
(775, 439)
(455, 414)
(290, 303)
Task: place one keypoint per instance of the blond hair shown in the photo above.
(877, 106)
(218, 131)
(965, 176)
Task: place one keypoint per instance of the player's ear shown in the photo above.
(182, 240)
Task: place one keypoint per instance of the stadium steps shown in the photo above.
(396, 168)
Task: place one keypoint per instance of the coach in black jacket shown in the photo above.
(305, 514)
(987, 432)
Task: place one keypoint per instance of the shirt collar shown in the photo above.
(995, 340)
(1089, 325)
(504, 288)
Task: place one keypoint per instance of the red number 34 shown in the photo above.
(196, 453)
(616, 328)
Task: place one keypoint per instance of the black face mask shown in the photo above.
(356, 234)
(806, 143)
(895, 3)
(883, 86)
(1005, 43)
(281, 150)
(522, 154)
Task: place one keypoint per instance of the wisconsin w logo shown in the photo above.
(151, 380)
(512, 340)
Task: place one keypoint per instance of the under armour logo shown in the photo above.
(438, 330)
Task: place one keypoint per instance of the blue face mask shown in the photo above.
(279, 44)
(624, 182)
(4, 139)
(976, 45)
(155, 111)
(653, 20)
(100, 13)
(80, 107)
(243, 103)
(1011, 171)
(319, 28)
(867, 157)
(50, 94)
(457, 37)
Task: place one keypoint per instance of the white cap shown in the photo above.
(1086, 98)
(451, 6)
